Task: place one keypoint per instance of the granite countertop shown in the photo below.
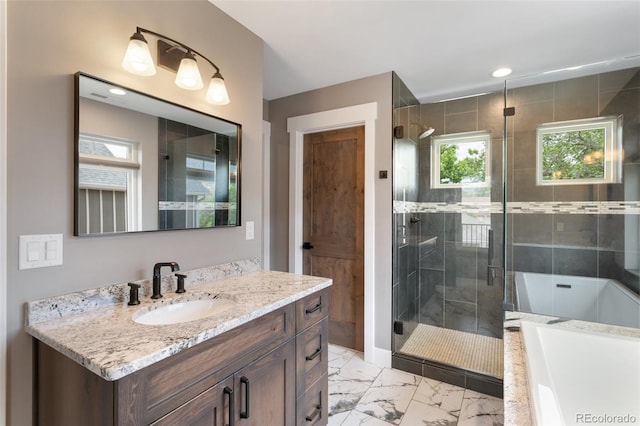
(105, 339)
(517, 409)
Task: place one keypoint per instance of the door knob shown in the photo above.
(307, 245)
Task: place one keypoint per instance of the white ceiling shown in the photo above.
(440, 49)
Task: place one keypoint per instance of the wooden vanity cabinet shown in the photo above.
(258, 373)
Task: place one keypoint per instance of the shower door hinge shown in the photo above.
(509, 111)
(398, 327)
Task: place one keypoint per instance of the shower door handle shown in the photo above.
(491, 269)
(492, 272)
(490, 246)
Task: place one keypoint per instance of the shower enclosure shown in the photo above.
(541, 176)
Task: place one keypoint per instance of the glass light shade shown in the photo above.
(217, 92)
(137, 59)
(188, 74)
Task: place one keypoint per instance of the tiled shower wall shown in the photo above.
(585, 230)
(454, 290)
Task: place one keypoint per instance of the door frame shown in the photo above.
(357, 115)
(3, 213)
(266, 195)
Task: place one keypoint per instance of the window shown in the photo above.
(578, 152)
(107, 184)
(461, 160)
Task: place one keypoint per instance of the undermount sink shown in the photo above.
(183, 311)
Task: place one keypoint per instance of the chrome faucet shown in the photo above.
(156, 276)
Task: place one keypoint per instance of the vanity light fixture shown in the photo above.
(176, 57)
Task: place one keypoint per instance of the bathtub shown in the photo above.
(578, 377)
(589, 299)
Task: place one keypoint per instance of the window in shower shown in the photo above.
(579, 151)
(461, 160)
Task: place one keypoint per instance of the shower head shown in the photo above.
(425, 131)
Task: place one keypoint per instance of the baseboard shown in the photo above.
(380, 357)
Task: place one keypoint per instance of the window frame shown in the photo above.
(456, 139)
(131, 166)
(612, 126)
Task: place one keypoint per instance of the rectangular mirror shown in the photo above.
(144, 164)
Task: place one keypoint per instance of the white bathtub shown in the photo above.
(579, 377)
(588, 299)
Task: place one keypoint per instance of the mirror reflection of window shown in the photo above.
(108, 173)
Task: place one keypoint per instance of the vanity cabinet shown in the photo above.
(269, 371)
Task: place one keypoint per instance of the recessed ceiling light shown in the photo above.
(501, 72)
(117, 91)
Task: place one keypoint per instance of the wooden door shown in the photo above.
(333, 226)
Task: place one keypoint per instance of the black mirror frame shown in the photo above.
(76, 159)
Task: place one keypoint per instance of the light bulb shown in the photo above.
(137, 59)
(188, 74)
(217, 92)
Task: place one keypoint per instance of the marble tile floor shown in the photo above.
(361, 393)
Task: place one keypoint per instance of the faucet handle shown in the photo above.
(133, 294)
(181, 278)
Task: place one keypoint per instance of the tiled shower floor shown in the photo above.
(450, 347)
(361, 393)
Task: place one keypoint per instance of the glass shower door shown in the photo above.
(449, 234)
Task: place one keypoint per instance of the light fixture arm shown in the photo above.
(184, 46)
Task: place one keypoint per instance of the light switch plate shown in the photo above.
(39, 251)
(250, 230)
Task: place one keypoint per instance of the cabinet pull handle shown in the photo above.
(313, 355)
(229, 392)
(245, 414)
(312, 310)
(315, 414)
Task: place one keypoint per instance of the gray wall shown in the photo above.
(47, 43)
(370, 89)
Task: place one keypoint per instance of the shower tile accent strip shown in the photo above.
(191, 205)
(546, 207)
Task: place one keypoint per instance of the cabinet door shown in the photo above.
(212, 407)
(265, 391)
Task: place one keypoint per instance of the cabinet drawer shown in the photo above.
(312, 309)
(313, 405)
(211, 407)
(312, 355)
